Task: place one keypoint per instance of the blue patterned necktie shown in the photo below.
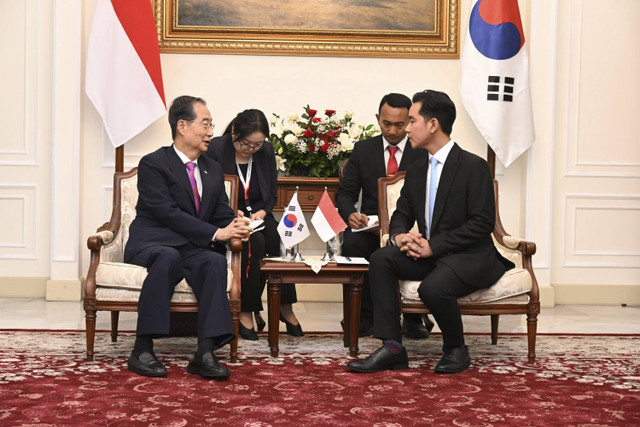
(433, 188)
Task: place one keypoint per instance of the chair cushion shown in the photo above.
(118, 281)
(511, 288)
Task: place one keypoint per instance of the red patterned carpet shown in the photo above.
(577, 380)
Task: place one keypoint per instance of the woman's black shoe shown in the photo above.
(248, 334)
(260, 323)
(293, 330)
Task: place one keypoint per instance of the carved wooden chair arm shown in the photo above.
(524, 246)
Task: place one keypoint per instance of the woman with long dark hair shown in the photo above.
(244, 151)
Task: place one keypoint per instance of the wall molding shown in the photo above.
(29, 221)
(589, 259)
(575, 167)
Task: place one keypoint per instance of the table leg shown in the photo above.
(355, 299)
(273, 300)
(346, 314)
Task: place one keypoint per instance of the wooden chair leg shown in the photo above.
(532, 329)
(115, 316)
(90, 319)
(235, 315)
(494, 328)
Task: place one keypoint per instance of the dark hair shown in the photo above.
(395, 100)
(182, 109)
(248, 122)
(437, 105)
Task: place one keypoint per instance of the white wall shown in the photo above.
(56, 164)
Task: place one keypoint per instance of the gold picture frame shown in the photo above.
(235, 27)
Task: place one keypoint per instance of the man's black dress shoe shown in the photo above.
(207, 366)
(454, 361)
(382, 359)
(260, 323)
(247, 334)
(146, 365)
(414, 329)
(293, 330)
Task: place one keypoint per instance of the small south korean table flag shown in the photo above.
(326, 219)
(293, 227)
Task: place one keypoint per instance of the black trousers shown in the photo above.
(261, 243)
(364, 244)
(206, 272)
(439, 290)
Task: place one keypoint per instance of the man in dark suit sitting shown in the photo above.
(174, 235)
(373, 158)
(453, 253)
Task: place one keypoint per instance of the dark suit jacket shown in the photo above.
(166, 212)
(366, 164)
(463, 218)
(264, 167)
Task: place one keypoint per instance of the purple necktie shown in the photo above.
(191, 166)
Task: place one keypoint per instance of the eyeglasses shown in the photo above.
(206, 125)
(248, 146)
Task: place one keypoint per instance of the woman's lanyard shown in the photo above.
(246, 181)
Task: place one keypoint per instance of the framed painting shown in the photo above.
(375, 28)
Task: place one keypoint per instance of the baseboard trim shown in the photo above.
(23, 287)
(64, 290)
(597, 294)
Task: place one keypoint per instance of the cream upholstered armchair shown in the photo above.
(515, 293)
(114, 286)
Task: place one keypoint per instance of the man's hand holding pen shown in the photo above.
(358, 220)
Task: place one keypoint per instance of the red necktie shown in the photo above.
(191, 166)
(392, 166)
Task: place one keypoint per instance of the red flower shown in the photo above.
(308, 134)
(312, 113)
(312, 148)
(317, 119)
(329, 113)
(325, 148)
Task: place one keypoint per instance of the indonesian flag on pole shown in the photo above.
(326, 219)
(495, 78)
(123, 75)
(293, 227)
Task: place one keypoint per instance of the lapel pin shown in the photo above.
(205, 172)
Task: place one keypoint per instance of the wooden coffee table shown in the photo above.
(351, 276)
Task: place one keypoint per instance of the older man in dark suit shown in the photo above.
(451, 197)
(182, 214)
(374, 158)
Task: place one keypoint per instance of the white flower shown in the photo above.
(295, 128)
(293, 117)
(277, 129)
(355, 131)
(273, 119)
(280, 163)
(348, 114)
(346, 142)
(290, 139)
(376, 128)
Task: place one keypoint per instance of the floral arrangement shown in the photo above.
(314, 145)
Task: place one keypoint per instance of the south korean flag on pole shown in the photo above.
(293, 227)
(495, 78)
